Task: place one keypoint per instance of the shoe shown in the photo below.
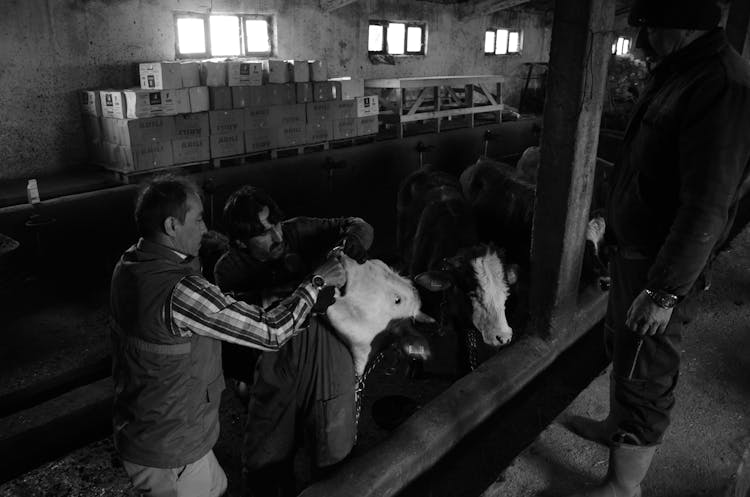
(628, 465)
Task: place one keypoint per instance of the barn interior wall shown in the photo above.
(51, 49)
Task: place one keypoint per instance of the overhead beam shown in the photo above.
(331, 5)
(484, 7)
(737, 24)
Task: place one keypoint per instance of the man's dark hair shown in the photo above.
(241, 212)
(162, 197)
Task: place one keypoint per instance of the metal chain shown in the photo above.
(472, 348)
(359, 390)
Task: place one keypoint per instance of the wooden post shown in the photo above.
(737, 24)
(580, 48)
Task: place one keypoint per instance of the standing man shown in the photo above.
(306, 390)
(169, 324)
(675, 195)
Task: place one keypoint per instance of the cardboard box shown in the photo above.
(291, 136)
(226, 121)
(139, 132)
(151, 156)
(300, 71)
(214, 73)
(280, 94)
(287, 115)
(244, 73)
(367, 106)
(258, 96)
(304, 92)
(191, 126)
(200, 100)
(348, 88)
(278, 71)
(260, 139)
(344, 128)
(195, 149)
(227, 144)
(367, 125)
(241, 96)
(90, 102)
(318, 70)
(191, 73)
(319, 111)
(318, 132)
(325, 91)
(98, 152)
(257, 117)
(220, 97)
(112, 103)
(344, 109)
(160, 75)
(148, 103)
(92, 127)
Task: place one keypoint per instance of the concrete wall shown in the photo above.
(51, 48)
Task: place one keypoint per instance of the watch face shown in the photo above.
(318, 281)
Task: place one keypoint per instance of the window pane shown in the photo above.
(191, 37)
(626, 45)
(414, 39)
(256, 31)
(501, 46)
(225, 35)
(375, 40)
(489, 42)
(513, 42)
(619, 45)
(396, 33)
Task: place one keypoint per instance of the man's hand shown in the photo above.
(646, 318)
(333, 272)
(354, 249)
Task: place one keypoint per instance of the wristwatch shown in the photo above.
(318, 281)
(663, 299)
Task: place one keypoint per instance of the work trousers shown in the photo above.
(203, 478)
(306, 389)
(644, 376)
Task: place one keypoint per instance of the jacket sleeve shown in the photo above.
(714, 153)
(329, 231)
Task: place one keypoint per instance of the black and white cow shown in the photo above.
(467, 283)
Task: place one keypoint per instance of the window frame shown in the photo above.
(206, 18)
(494, 31)
(407, 24)
(624, 38)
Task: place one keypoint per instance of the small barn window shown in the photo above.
(621, 46)
(202, 35)
(503, 41)
(397, 38)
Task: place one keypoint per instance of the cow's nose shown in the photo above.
(605, 283)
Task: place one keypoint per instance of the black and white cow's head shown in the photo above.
(478, 284)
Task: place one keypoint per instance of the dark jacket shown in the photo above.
(167, 387)
(685, 156)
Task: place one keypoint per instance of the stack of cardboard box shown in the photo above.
(191, 111)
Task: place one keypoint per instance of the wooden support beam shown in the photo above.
(484, 7)
(331, 5)
(738, 21)
(580, 48)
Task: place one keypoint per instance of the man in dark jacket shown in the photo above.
(169, 324)
(307, 388)
(675, 195)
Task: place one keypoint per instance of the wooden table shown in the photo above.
(424, 108)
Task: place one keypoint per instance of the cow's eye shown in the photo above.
(397, 300)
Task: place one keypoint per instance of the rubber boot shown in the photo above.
(628, 465)
(597, 431)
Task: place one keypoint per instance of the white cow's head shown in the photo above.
(374, 296)
(478, 282)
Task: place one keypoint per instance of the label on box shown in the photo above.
(90, 102)
(244, 73)
(214, 73)
(259, 139)
(300, 71)
(227, 144)
(145, 103)
(113, 103)
(200, 101)
(318, 70)
(286, 115)
(290, 136)
(226, 121)
(304, 92)
(220, 97)
(194, 149)
(321, 131)
(191, 125)
(191, 74)
(160, 75)
(367, 125)
(150, 156)
(324, 91)
(367, 106)
(344, 128)
(344, 109)
(348, 88)
(257, 117)
(278, 70)
(319, 111)
(139, 132)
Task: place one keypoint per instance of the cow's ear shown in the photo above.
(511, 274)
(434, 281)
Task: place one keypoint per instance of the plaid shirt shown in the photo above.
(197, 306)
